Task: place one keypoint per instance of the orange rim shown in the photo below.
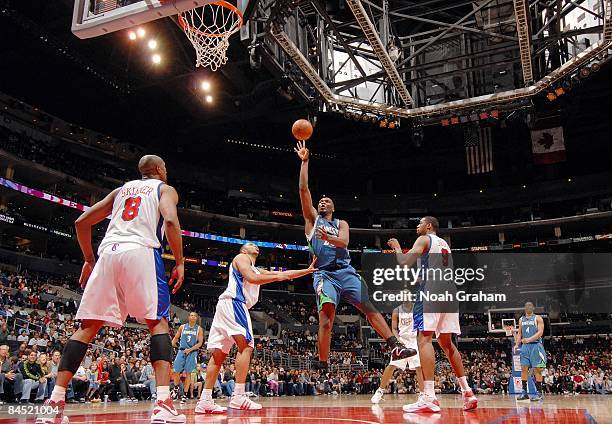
(186, 27)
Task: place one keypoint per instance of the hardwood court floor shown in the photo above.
(494, 409)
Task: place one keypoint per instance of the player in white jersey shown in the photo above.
(232, 324)
(403, 328)
(128, 279)
(432, 252)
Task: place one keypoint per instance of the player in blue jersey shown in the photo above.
(189, 338)
(336, 279)
(533, 355)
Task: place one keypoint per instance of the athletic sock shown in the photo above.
(239, 389)
(163, 393)
(58, 394)
(428, 388)
(464, 384)
(206, 394)
(524, 386)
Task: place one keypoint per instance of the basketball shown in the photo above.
(302, 129)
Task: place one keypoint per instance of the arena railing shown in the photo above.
(360, 231)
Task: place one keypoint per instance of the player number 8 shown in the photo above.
(131, 207)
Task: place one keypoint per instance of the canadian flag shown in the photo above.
(548, 146)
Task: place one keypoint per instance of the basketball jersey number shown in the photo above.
(131, 207)
(444, 257)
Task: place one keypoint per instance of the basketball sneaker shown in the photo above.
(524, 396)
(425, 404)
(537, 397)
(52, 413)
(400, 351)
(378, 396)
(208, 406)
(244, 403)
(469, 401)
(164, 413)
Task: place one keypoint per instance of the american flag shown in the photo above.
(478, 149)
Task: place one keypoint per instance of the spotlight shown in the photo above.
(356, 117)
(374, 119)
(383, 123)
(152, 44)
(365, 118)
(454, 120)
(595, 67)
(551, 96)
(132, 35)
(208, 98)
(205, 85)
(141, 32)
(445, 122)
(559, 91)
(156, 59)
(392, 125)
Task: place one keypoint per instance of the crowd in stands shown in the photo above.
(31, 342)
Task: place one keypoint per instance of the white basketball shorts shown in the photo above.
(128, 279)
(231, 319)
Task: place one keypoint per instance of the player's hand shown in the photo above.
(312, 267)
(88, 267)
(322, 234)
(302, 151)
(177, 277)
(394, 244)
(525, 341)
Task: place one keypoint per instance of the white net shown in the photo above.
(209, 28)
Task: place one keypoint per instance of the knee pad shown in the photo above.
(74, 352)
(161, 348)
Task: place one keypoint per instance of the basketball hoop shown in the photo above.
(509, 329)
(209, 28)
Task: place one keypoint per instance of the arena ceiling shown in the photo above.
(108, 83)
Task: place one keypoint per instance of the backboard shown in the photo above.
(92, 18)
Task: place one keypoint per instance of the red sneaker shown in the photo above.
(164, 413)
(469, 401)
(52, 413)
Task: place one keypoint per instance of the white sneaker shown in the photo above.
(54, 413)
(164, 413)
(469, 401)
(209, 406)
(425, 404)
(378, 396)
(244, 403)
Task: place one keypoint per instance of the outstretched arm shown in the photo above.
(308, 210)
(421, 245)
(83, 225)
(243, 263)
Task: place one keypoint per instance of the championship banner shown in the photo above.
(548, 146)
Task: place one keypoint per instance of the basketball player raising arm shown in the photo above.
(325, 205)
(336, 279)
(434, 252)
